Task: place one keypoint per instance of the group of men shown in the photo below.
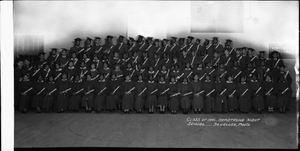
(148, 74)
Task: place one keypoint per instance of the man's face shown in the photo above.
(227, 44)
(206, 42)
(188, 40)
(88, 42)
(215, 41)
(64, 53)
(130, 42)
(250, 53)
(109, 40)
(173, 40)
(77, 43)
(165, 42)
(262, 55)
(54, 52)
(97, 41)
(140, 39)
(181, 42)
(121, 39)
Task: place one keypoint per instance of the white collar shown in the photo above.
(64, 79)
(163, 71)
(151, 81)
(184, 82)
(151, 71)
(71, 67)
(172, 82)
(114, 79)
(140, 81)
(229, 81)
(162, 82)
(106, 68)
(93, 69)
(207, 80)
(187, 69)
(41, 81)
(82, 67)
(129, 69)
(117, 70)
(128, 81)
(199, 68)
(102, 80)
(253, 81)
(243, 82)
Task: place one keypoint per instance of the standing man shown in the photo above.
(217, 46)
(108, 46)
(229, 47)
(97, 47)
(121, 47)
(174, 50)
(190, 45)
(76, 47)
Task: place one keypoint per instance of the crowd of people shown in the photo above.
(153, 75)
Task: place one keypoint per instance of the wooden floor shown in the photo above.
(154, 130)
